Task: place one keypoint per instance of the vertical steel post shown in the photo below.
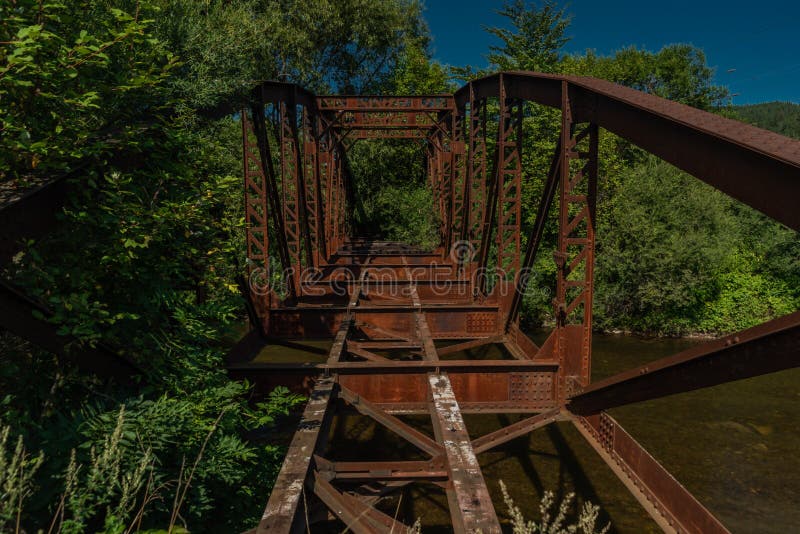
(509, 196)
(476, 170)
(290, 188)
(310, 170)
(305, 238)
(335, 198)
(255, 202)
(575, 255)
(460, 194)
(320, 184)
(502, 200)
(445, 148)
(259, 125)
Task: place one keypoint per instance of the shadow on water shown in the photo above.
(733, 446)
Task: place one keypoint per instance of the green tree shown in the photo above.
(661, 250)
(537, 36)
(147, 251)
(348, 46)
(780, 117)
(77, 80)
(389, 174)
(417, 74)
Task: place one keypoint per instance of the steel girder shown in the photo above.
(766, 348)
(509, 185)
(460, 193)
(475, 192)
(256, 211)
(575, 255)
(722, 152)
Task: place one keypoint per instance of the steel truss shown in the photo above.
(393, 311)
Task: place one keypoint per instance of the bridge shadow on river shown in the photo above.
(734, 446)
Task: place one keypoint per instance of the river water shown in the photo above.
(735, 446)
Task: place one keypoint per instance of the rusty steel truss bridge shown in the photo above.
(400, 317)
(402, 320)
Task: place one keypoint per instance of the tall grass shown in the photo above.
(111, 493)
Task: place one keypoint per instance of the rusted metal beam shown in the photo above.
(509, 189)
(377, 120)
(468, 345)
(310, 176)
(722, 152)
(386, 133)
(394, 424)
(365, 354)
(385, 345)
(397, 366)
(371, 491)
(407, 104)
(660, 494)
(471, 506)
(515, 350)
(426, 470)
(535, 237)
(289, 111)
(271, 187)
(476, 192)
(575, 255)
(422, 331)
(460, 183)
(256, 214)
(357, 516)
(374, 328)
(766, 348)
(516, 430)
(490, 200)
(526, 346)
(281, 511)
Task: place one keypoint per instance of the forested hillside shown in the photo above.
(147, 253)
(780, 117)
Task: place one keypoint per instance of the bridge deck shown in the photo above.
(384, 360)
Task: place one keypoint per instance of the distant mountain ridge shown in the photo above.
(779, 117)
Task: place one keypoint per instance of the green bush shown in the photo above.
(404, 214)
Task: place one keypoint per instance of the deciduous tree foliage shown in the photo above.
(396, 202)
(146, 253)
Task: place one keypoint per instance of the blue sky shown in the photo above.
(760, 40)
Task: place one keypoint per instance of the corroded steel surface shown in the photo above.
(766, 348)
(670, 504)
(471, 506)
(406, 323)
